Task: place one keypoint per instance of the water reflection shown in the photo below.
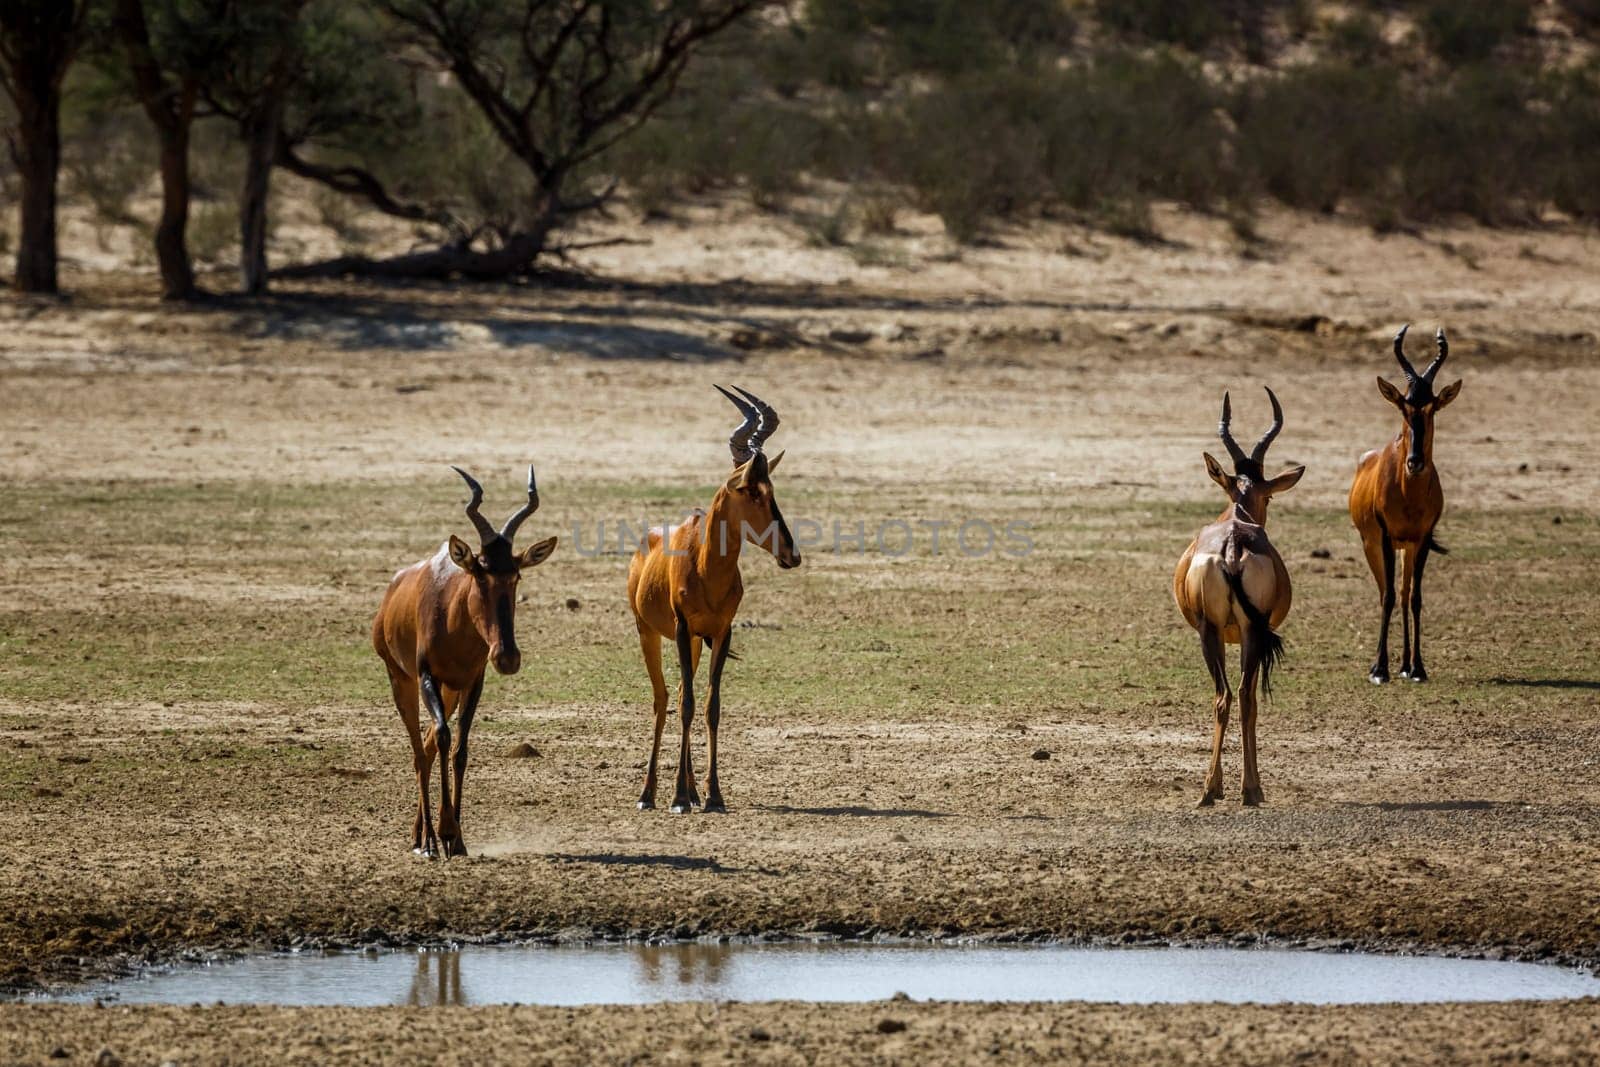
(836, 972)
(688, 965)
(437, 981)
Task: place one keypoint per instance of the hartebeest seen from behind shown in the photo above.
(442, 621)
(1232, 587)
(1396, 501)
(684, 586)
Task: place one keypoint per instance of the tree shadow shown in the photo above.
(855, 811)
(422, 317)
(1545, 683)
(676, 863)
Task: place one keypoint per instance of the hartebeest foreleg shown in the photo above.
(650, 645)
(685, 796)
(469, 707)
(1211, 648)
(1418, 672)
(449, 829)
(1380, 556)
(719, 657)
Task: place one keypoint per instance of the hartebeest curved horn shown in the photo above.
(739, 440)
(1400, 355)
(1259, 452)
(769, 419)
(759, 423)
(509, 531)
(1438, 361)
(486, 531)
(1226, 435)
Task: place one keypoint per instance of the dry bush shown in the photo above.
(213, 231)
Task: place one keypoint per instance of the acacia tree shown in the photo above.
(38, 40)
(169, 98)
(253, 88)
(558, 83)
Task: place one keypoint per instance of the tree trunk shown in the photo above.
(261, 149)
(170, 107)
(172, 249)
(38, 158)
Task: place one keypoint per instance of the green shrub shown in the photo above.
(1356, 38)
(1470, 146)
(1180, 22)
(1468, 31)
(1572, 173)
(1317, 135)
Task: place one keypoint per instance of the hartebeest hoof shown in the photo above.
(455, 848)
(1253, 796)
(1419, 675)
(715, 806)
(647, 803)
(681, 807)
(1378, 675)
(1206, 800)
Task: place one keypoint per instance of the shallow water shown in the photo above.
(643, 974)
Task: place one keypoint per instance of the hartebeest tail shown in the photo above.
(1232, 587)
(442, 621)
(1395, 503)
(684, 586)
(1262, 635)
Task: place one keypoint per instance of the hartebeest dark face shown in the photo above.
(1248, 487)
(1418, 404)
(494, 570)
(1417, 409)
(753, 507)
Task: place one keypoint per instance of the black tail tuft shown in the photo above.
(1260, 631)
(1434, 546)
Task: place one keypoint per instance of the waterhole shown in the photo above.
(838, 971)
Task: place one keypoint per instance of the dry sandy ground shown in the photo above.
(806, 1033)
(880, 762)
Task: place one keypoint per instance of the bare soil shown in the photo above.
(204, 506)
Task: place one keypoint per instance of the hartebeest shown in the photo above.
(442, 620)
(1232, 587)
(684, 585)
(1396, 501)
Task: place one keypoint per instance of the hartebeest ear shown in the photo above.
(752, 472)
(772, 464)
(1448, 395)
(1287, 480)
(1218, 475)
(1391, 394)
(462, 556)
(740, 476)
(534, 555)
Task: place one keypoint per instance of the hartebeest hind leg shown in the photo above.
(1380, 557)
(719, 657)
(1419, 673)
(449, 830)
(650, 646)
(1251, 654)
(423, 839)
(1211, 647)
(685, 796)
